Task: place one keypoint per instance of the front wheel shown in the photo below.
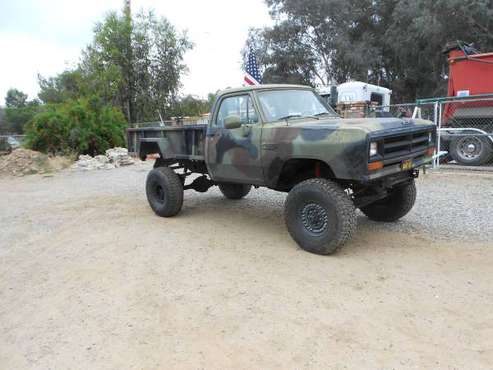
(471, 150)
(394, 206)
(164, 191)
(319, 216)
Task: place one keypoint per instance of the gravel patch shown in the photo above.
(91, 278)
(450, 205)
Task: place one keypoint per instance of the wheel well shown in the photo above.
(148, 148)
(295, 171)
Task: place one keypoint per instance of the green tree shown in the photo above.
(18, 111)
(106, 64)
(83, 126)
(15, 99)
(308, 42)
(211, 99)
(136, 64)
(394, 43)
(190, 106)
(67, 85)
(419, 33)
(17, 118)
(3, 122)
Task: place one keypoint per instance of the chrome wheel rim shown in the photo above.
(470, 148)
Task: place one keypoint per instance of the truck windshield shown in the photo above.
(284, 104)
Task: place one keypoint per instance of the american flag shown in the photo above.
(252, 75)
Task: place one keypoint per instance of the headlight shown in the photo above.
(373, 149)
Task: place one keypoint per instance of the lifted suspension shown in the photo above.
(200, 184)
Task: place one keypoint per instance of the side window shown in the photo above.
(347, 97)
(240, 106)
(377, 98)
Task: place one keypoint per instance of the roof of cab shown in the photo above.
(261, 87)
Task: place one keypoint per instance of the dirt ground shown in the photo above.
(91, 278)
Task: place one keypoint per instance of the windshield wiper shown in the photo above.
(290, 116)
(298, 116)
(326, 114)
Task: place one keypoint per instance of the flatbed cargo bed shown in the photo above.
(186, 142)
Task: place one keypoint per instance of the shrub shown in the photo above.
(83, 126)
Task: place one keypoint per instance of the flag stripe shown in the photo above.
(250, 80)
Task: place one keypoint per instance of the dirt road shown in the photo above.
(91, 278)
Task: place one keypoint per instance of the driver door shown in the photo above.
(234, 153)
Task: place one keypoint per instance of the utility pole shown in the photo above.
(127, 9)
(128, 17)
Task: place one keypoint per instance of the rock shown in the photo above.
(24, 162)
(114, 157)
(88, 163)
(102, 159)
(119, 157)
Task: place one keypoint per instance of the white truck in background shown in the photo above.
(356, 92)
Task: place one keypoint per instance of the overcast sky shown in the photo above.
(47, 36)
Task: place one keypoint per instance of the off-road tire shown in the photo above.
(484, 155)
(234, 191)
(319, 216)
(393, 207)
(164, 191)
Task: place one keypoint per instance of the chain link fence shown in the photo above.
(395, 110)
(465, 126)
(407, 110)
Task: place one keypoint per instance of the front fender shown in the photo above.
(344, 151)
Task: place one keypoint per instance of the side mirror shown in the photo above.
(232, 122)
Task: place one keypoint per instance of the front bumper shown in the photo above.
(396, 168)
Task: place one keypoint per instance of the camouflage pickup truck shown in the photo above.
(286, 138)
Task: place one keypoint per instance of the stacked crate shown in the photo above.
(358, 109)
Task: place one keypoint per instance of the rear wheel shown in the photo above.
(471, 150)
(319, 216)
(393, 207)
(164, 191)
(234, 191)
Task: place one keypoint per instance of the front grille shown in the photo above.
(409, 145)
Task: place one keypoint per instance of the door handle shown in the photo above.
(268, 146)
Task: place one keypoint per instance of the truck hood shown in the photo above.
(373, 126)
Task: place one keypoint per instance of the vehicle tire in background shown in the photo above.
(319, 216)
(396, 205)
(234, 191)
(164, 191)
(471, 150)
